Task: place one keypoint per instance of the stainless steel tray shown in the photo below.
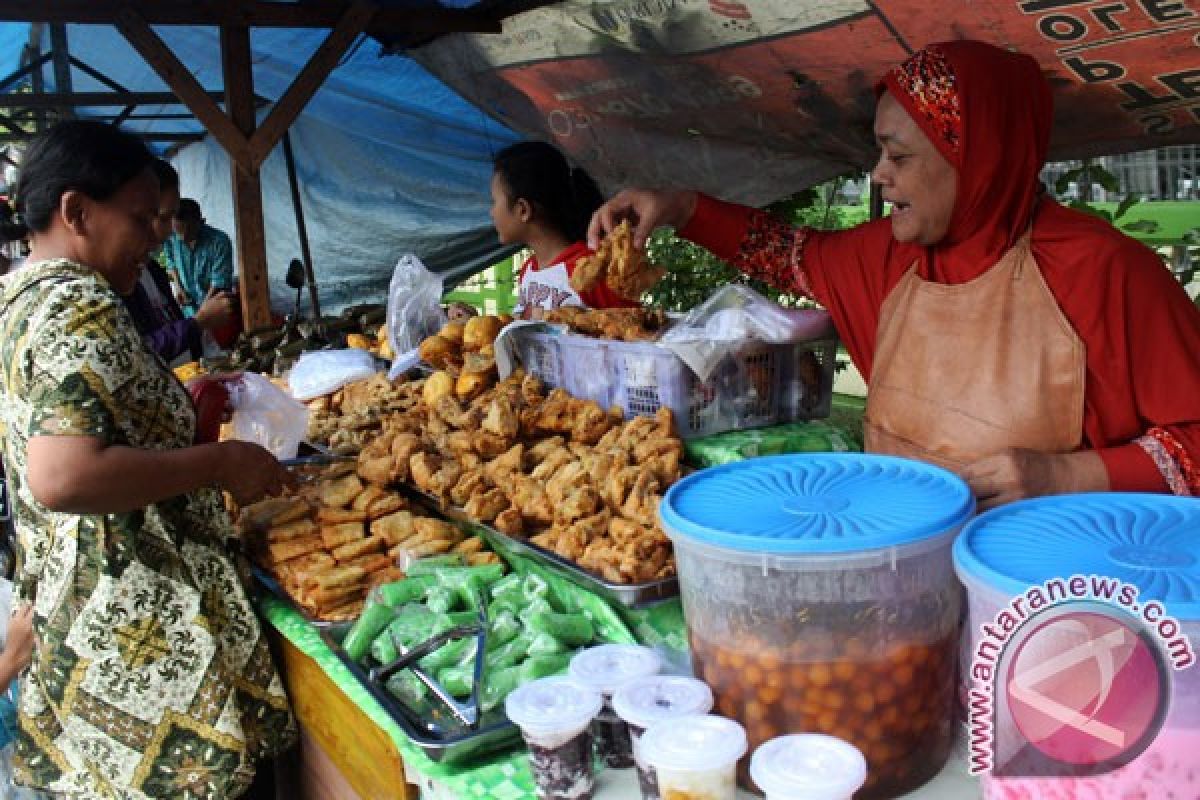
(630, 595)
(269, 584)
(456, 747)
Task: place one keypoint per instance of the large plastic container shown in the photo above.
(1151, 542)
(820, 597)
(763, 384)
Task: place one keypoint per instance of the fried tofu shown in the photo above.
(334, 536)
(341, 492)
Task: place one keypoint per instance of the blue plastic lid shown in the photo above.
(1149, 540)
(816, 503)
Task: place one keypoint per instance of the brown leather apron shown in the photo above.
(966, 371)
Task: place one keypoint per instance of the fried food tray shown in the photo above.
(629, 595)
(267, 582)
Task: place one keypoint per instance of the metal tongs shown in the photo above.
(468, 712)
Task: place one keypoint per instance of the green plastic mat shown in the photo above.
(504, 776)
(815, 436)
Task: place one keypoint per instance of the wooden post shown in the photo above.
(236, 68)
(61, 55)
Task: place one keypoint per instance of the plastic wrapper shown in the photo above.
(409, 590)
(414, 309)
(793, 437)
(325, 371)
(266, 415)
(721, 325)
(373, 620)
(571, 629)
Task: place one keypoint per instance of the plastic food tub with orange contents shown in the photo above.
(820, 597)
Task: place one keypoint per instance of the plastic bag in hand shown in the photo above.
(266, 415)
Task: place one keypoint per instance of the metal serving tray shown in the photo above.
(269, 584)
(458, 747)
(630, 595)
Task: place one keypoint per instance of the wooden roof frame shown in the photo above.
(247, 143)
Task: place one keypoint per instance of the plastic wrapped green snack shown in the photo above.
(448, 655)
(497, 686)
(535, 586)
(407, 688)
(414, 624)
(571, 629)
(371, 622)
(503, 627)
(544, 644)
(409, 590)
(383, 648)
(536, 667)
(509, 583)
(427, 566)
(441, 600)
(510, 654)
(469, 582)
(457, 680)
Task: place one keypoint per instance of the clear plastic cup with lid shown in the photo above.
(694, 756)
(808, 766)
(554, 715)
(606, 668)
(645, 701)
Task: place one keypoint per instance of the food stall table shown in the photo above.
(350, 742)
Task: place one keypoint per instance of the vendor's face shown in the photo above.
(915, 178)
(506, 214)
(117, 233)
(168, 204)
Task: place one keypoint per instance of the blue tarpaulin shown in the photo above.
(389, 159)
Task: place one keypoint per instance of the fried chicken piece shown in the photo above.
(594, 526)
(449, 411)
(456, 443)
(472, 481)
(557, 413)
(509, 522)
(501, 419)
(572, 476)
(571, 543)
(485, 506)
(642, 502)
(489, 445)
(551, 464)
(583, 501)
(620, 482)
(590, 423)
(500, 468)
(528, 497)
(533, 391)
(547, 540)
(538, 452)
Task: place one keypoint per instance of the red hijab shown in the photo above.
(989, 113)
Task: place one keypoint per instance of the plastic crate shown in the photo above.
(762, 384)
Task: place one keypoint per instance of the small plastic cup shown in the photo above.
(553, 715)
(808, 766)
(694, 755)
(645, 701)
(605, 669)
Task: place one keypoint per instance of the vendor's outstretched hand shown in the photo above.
(1018, 474)
(250, 472)
(646, 209)
(217, 310)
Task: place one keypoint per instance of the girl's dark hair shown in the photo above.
(80, 155)
(563, 197)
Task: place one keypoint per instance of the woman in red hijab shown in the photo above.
(1033, 349)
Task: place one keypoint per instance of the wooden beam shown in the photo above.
(171, 136)
(25, 69)
(61, 54)
(309, 80)
(97, 99)
(261, 14)
(237, 70)
(181, 81)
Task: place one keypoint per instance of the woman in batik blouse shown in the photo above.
(151, 676)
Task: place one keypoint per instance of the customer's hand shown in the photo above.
(216, 311)
(646, 209)
(249, 472)
(18, 642)
(1017, 474)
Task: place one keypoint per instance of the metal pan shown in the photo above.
(630, 595)
(458, 745)
(268, 583)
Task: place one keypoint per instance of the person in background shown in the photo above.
(1032, 348)
(159, 319)
(151, 675)
(199, 255)
(461, 310)
(12, 240)
(15, 656)
(540, 202)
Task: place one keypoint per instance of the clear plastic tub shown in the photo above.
(695, 757)
(554, 715)
(808, 766)
(645, 701)
(820, 596)
(1145, 541)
